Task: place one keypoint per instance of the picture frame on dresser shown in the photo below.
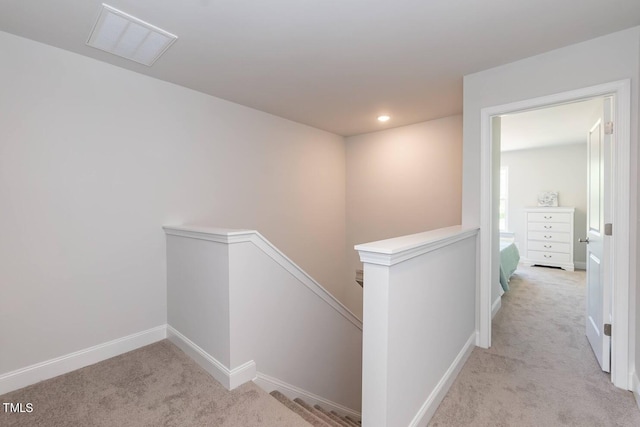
(549, 237)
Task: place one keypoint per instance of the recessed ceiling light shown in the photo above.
(383, 118)
(129, 37)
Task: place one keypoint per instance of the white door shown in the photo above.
(598, 288)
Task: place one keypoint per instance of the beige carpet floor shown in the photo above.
(540, 370)
(157, 385)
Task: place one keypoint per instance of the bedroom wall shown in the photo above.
(561, 168)
(565, 69)
(401, 181)
(94, 159)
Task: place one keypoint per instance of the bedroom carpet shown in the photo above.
(156, 385)
(540, 370)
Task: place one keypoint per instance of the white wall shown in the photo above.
(401, 181)
(617, 57)
(198, 294)
(561, 168)
(94, 159)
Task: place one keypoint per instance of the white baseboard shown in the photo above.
(229, 378)
(497, 304)
(61, 365)
(429, 407)
(269, 384)
(635, 388)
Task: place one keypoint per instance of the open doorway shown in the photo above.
(489, 238)
(543, 161)
(543, 215)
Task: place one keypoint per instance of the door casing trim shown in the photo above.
(621, 341)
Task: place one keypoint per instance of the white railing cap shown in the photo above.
(398, 249)
(214, 234)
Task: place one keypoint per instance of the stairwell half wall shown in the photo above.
(242, 309)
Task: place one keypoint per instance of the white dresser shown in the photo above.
(549, 238)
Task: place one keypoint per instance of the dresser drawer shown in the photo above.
(533, 245)
(548, 217)
(564, 227)
(549, 257)
(548, 236)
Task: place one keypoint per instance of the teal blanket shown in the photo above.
(509, 258)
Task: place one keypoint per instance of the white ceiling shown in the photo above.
(560, 125)
(332, 64)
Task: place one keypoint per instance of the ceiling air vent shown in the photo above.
(124, 35)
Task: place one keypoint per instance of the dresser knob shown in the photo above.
(547, 256)
(548, 227)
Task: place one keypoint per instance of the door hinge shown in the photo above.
(608, 128)
(608, 229)
(607, 329)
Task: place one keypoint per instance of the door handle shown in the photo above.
(584, 241)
